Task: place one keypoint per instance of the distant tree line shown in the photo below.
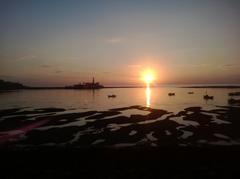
(7, 85)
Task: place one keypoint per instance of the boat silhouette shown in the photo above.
(207, 97)
(171, 94)
(112, 96)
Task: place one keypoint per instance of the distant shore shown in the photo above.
(178, 86)
(217, 86)
(107, 87)
(11, 86)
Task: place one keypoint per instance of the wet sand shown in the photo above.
(134, 141)
(133, 126)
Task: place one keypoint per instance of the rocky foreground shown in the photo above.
(135, 141)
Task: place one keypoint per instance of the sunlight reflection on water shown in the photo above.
(148, 95)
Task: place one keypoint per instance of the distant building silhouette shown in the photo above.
(88, 85)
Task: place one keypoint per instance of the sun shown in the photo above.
(148, 76)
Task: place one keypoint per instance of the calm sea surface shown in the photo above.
(84, 100)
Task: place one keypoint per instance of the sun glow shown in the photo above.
(148, 76)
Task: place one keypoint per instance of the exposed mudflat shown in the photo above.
(132, 126)
(128, 142)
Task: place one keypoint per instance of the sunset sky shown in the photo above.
(57, 42)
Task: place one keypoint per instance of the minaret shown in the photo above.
(93, 81)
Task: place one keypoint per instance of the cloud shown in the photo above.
(229, 66)
(58, 71)
(134, 66)
(106, 72)
(114, 40)
(46, 66)
(26, 57)
(192, 65)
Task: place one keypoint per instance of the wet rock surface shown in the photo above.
(129, 142)
(47, 127)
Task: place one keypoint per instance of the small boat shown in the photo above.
(171, 94)
(207, 97)
(112, 96)
(191, 92)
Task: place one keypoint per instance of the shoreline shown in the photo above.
(117, 87)
(224, 87)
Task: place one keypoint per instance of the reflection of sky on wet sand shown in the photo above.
(129, 112)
